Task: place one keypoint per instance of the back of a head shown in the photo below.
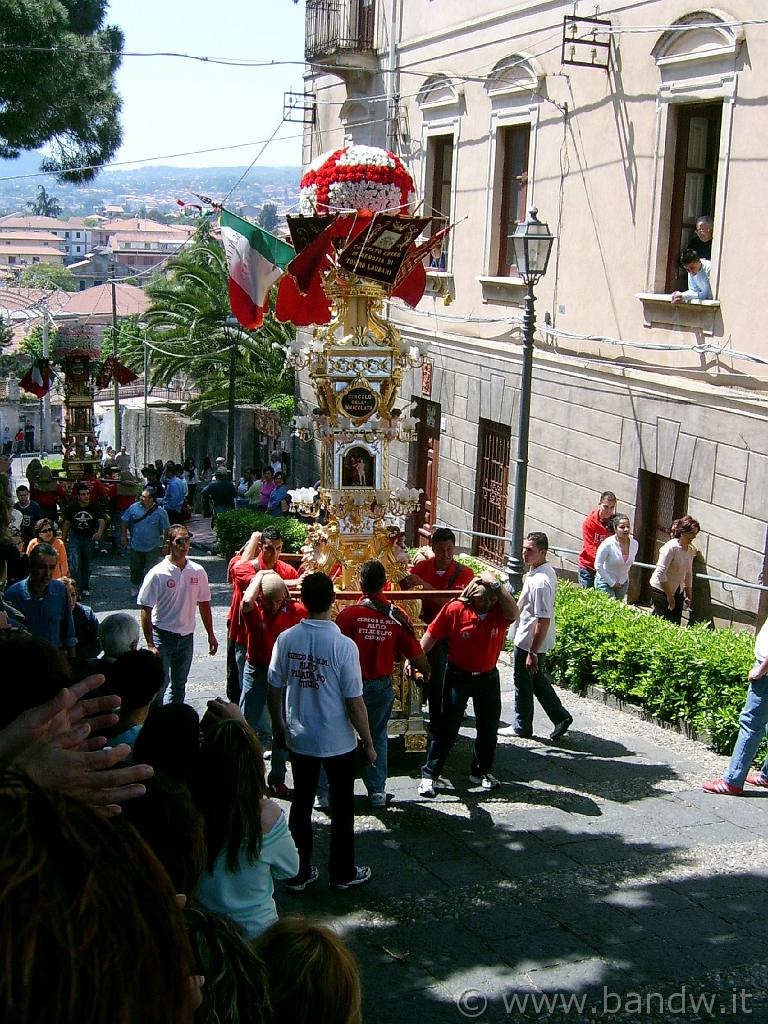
(169, 740)
(373, 576)
(36, 669)
(136, 677)
(313, 976)
(317, 593)
(111, 942)
(118, 633)
(236, 983)
(169, 823)
(228, 784)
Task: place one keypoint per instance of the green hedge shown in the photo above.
(234, 528)
(674, 673)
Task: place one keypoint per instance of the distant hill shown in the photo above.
(147, 187)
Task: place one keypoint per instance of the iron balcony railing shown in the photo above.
(334, 26)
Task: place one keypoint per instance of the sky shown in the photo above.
(173, 105)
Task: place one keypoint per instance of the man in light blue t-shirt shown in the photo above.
(315, 675)
(148, 524)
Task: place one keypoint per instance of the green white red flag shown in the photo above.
(256, 259)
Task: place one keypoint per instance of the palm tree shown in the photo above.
(190, 333)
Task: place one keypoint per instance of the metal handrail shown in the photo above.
(506, 538)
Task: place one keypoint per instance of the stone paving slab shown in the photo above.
(599, 872)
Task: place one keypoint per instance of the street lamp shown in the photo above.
(532, 244)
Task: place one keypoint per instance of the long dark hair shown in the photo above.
(228, 785)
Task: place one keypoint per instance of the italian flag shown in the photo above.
(255, 261)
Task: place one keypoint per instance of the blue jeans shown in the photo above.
(529, 685)
(605, 588)
(379, 696)
(253, 704)
(80, 557)
(485, 691)
(176, 655)
(753, 724)
(586, 578)
(140, 562)
(438, 665)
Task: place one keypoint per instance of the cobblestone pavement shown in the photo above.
(599, 881)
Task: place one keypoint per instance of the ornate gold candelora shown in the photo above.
(356, 364)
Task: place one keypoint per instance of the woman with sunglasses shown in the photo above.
(44, 534)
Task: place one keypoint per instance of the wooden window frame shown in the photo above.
(685, 113)
(507, 136)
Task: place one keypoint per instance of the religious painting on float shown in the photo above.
(358, 467)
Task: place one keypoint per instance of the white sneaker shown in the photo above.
(378, 800)
(426, 787)
(486, 781)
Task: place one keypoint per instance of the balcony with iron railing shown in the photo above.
(341, 32)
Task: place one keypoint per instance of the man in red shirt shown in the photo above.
(382, 634)
(440, 572)
(246, 562)
(594, 530)
(475, 626)
(261, 553)
(267, 611)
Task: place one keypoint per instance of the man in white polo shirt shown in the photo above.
(534, 636)
(171, 592)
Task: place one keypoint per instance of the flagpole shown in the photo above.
(45, 401)
(118, 438)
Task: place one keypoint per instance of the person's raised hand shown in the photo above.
(224, 710)
(88, 775)
(67, 709)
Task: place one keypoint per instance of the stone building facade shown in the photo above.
(509, 108)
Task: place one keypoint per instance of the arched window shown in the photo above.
(512, 88)
(699, 60)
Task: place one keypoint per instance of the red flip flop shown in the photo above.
(721, 787)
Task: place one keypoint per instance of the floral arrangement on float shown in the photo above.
(356, 178)
(77, 342)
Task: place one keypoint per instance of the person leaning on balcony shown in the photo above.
(594, 530)
(698, 271)
(672, 579)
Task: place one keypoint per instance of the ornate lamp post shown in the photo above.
(532, 244)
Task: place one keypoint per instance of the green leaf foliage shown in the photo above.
(48, 275)
(57, 84)
(696, 674)
(234, 528)
(190, 331)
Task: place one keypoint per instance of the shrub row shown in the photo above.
(693, 674)
(234, 528)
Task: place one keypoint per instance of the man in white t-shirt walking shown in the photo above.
(169, 596)
(316, 703)
(534, 636)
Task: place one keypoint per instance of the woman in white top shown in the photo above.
(672, 579)
(615, 558)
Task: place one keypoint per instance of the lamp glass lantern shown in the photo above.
(532, 245)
